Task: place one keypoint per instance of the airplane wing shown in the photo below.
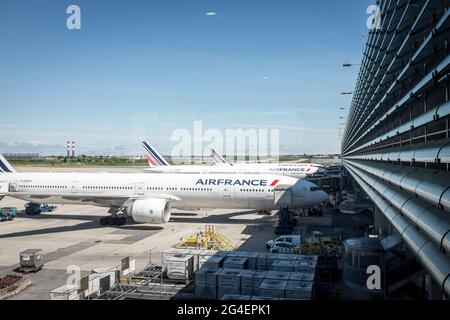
(103, 200)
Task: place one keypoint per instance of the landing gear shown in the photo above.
(117, 218)
(113, 221)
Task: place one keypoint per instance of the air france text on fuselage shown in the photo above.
(290, 169)
(233, 182)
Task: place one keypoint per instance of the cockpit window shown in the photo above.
(315, 189)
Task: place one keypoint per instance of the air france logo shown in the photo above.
(231, 182)
(274, 183)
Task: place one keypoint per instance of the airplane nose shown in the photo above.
(308, 194)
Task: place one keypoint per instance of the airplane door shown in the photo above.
(241, 200)
(74, 187)
(227, 199)
(140, 188)
(270, 200)
(227, 193)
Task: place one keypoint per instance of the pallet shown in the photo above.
(15, 288)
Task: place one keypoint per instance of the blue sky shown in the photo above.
(141, 69)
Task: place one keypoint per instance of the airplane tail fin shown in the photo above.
(218, 159)
(153, 157)
(5, 167)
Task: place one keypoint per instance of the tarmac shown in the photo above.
(72, 236)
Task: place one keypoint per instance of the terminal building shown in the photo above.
(396, 144)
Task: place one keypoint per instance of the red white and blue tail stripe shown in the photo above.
(5, 167)
(218, 159)
(153, 157)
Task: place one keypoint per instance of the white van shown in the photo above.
(291, 240)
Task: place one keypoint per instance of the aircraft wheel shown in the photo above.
(110, 221)
(123, 221)
(103, 221)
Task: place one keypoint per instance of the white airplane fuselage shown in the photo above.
(224, 191)
(299, 171)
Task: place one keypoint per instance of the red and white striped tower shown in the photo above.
(68, 149)
(73, 149)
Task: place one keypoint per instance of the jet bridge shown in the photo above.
(283, 200)
(283, 195)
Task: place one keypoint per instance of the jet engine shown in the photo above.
(150, 211)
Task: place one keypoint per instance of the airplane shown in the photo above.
(158, 164)
(149, 198)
